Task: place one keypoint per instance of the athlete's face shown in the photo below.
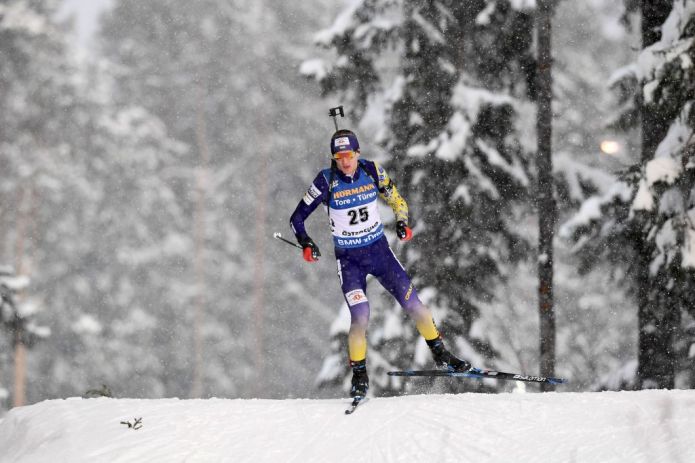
(347, 161)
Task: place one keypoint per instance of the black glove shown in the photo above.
(311, 251)
(403, 231)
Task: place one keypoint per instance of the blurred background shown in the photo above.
(149, 151)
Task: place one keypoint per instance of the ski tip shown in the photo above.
(356, 401)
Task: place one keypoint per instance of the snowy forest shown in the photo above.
(546, 149)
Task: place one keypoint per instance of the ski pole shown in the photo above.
(278, 236)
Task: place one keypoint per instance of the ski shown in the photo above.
(480, 374)
(355, 403)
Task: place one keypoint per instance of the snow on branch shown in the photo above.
(363, 30)
(316, 69)
(679, 136)
(576, 174)
(668, 164)
(346, 20)
(467, 102)
(662, 170)
(670, 49)
(653, 60)
(677, 20)
(592, 209)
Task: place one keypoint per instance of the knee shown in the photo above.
(416, 308)
(359, 324)
(359, 316)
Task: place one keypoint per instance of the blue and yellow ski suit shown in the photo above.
(360, 245)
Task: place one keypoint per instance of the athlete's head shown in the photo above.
(345, 150)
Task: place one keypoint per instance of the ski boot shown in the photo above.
(444, 358)
(360, 380)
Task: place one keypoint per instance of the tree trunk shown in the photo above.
(263, 124)
(20, 368)
(547, 214)
(656, 359)
(259, 270)
(199, 237)
(27, 209)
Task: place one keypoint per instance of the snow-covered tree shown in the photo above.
(445, 83)
(36, 93)
(99, 262)
(18, 318)
(85, 213)
(221, 76)
(143, 187)
(645, 224)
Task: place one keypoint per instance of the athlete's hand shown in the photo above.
(311, 252)
(403, 231)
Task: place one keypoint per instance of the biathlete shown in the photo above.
(349, 191)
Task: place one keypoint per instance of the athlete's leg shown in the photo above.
(353, 282)
(394, 278)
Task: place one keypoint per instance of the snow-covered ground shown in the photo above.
(645, 426)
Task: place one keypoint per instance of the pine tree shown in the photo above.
(106, 161)
(76, 166)
(647, 220)
(35, 94)
(18, 318)
(220, 76)
(664, 205)
(107, 250)
(449, 79)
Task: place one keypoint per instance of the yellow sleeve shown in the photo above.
(389, 192)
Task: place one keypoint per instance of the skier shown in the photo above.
(349, 190)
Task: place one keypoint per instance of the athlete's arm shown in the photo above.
(315, 195)
(389, 192)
